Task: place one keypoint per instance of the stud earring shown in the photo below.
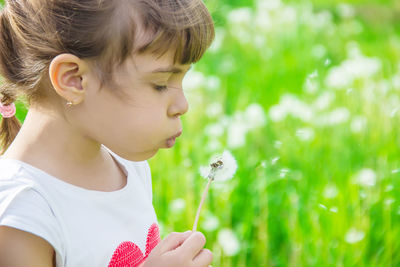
(70, 103)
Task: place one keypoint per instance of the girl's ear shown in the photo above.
(66, 74)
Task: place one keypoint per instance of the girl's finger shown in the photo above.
(204, 258)
(193, 244)
(172, 241)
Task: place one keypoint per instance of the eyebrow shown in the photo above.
(170, 69)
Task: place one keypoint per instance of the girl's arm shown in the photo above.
(21, 249)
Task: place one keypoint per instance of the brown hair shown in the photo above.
(33, 32)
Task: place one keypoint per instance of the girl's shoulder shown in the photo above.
(23, 205)
(13, 176)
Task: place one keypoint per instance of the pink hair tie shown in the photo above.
(7, 111)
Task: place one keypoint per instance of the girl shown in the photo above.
(103, 82)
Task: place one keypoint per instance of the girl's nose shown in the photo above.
(179, 104)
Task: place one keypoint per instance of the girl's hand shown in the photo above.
(180, 249)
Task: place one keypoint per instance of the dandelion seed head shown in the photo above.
(210, 223)
(324, 100)
(228, 242)
(177, 205)
(354, 235)
(194, 80)
(212, 83)
(254, 116)
(237, 134)
(335, 117)
(214, 109)
(358, 124)
(242, 16)
(365, 177)
(356, 67)
(214, 130)
(290, 105)
(224, 173)
(330, 192)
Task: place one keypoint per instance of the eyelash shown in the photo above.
(160, 87)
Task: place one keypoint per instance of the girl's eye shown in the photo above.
(160, 87)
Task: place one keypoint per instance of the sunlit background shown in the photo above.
(306, 96)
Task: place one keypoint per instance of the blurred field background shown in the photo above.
(306, 96)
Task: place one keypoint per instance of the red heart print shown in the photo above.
(128, 254)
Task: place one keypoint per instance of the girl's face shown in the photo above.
(136, 118)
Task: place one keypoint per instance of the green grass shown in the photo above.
(294, 198)
(292, 220)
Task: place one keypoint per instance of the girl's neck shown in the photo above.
(50, 143)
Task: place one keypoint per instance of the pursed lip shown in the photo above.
(176, 135)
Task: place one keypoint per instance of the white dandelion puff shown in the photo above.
(177, 205)
(324, 100)
(358, 124)
(336, 116)
(214, 130)
(237, 131)
(228, 241)
(366, 178)
(220, 173)
(212, 83)
(221, 168)
(194, 80)
(214, 109)
(330, 192)
(255, 116)
(354, 235)
(211, 223)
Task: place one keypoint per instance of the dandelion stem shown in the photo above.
(201, 204)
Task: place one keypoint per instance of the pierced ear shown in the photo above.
(66, 74)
